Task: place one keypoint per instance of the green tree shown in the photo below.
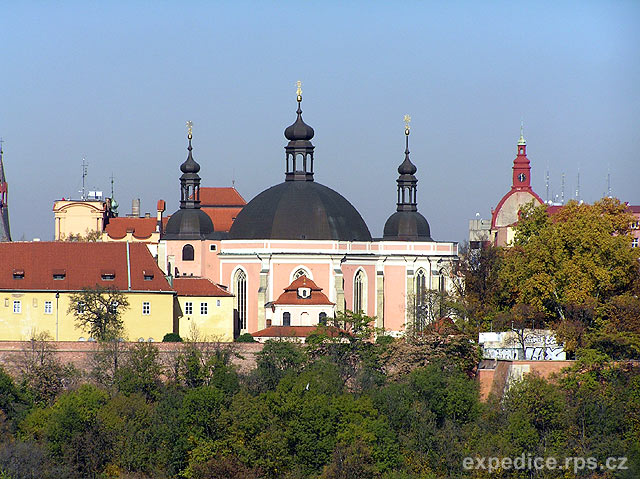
(141, 371)
(98, 311)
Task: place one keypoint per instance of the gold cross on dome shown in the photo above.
(407, 120)
(299, 90)
(189, 128)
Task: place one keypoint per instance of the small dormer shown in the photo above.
(18, 274)
(108, 274)
(304, 292)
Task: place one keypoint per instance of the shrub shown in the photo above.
(245, 338)
(172, 338)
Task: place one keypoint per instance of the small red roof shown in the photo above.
(220, 196)
(142, 228)
(78, 265)
(293, 332)
(290, 295)
(195, 286)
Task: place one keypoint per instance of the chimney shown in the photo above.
(135, 207)
(160, 209)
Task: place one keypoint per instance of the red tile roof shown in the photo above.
(222, 217)
(194, 286)
(220, 196)
(82, 264)
(294, 332)
(142, 228)
(290, 295)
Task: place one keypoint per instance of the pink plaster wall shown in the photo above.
(211, 268)
(395, 293)
(194, 267)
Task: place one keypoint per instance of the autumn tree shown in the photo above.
(570, 265)
(98, 311)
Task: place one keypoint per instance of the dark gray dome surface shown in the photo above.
(407, 226)
(189, 223)
(300, 210)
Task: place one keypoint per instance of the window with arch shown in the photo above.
(286, 319)
(322, 318)
(240, 287)
(359, 292)
(421, 303)
(187, 253)
(301, 272)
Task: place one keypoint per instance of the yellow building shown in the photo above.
(204, 309)
(37, 280)
(79, 217)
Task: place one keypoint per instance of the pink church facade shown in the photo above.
(381, 278)
(300, 227)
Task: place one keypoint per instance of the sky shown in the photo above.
(115, 82)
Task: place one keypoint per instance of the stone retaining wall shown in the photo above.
(12, 353)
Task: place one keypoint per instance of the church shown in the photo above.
(302, 229)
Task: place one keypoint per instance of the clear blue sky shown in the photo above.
(114, 82)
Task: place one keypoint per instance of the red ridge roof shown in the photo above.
(220, 196)
(293, 332)
(290, 295)
(142, 228)
(195, 286)
(82, 265)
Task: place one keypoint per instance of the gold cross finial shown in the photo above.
(189, 129)
(407, 120)
(299, 90)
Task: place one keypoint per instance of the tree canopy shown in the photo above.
(98, 311)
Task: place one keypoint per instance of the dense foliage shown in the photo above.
(354, 409)
(573, 271)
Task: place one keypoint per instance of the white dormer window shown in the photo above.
(304, 292)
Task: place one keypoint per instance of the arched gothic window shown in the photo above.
(322, 318)
(301, 272)
(359, 292)
(240, 289)
(421, 303)
(187, 253)
(286, 319)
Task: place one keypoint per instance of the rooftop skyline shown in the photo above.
(114, 84)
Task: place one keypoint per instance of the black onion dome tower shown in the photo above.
(299, 208)
(406, 224)
(189, 222)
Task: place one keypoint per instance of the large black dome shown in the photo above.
(191, 224)
(297, 210)
(407, 226)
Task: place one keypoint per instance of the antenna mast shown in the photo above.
(609, 181)
(547, 184)
(84, 175)
(562, 191)
(578, 187)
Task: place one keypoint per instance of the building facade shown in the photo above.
(301, 227)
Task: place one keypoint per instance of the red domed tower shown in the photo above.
(506, 213)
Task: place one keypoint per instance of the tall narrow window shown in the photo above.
(359, 292)
(187, 253)
(286, 319)
(146, 308)
(240, 283)
(322, 319)
(188, 307)
(421, 303)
